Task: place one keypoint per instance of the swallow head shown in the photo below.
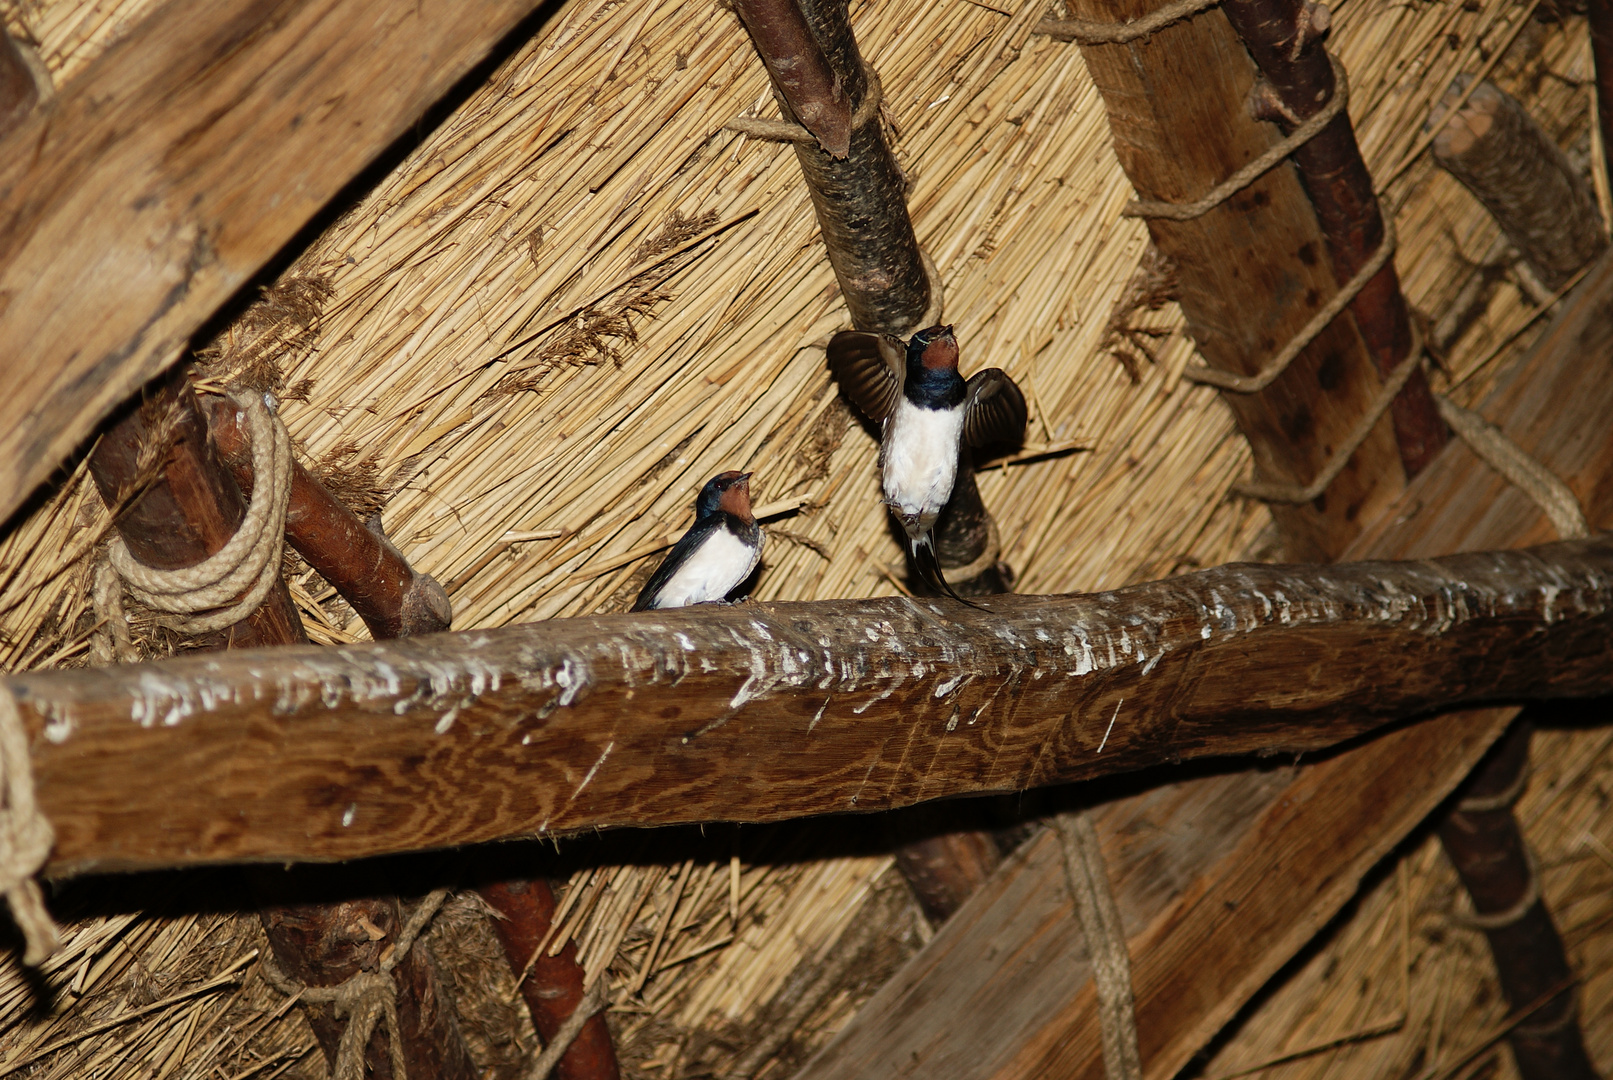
(729, 491)
(935, 347)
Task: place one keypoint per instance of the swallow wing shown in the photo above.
(994, 409)
(680, 553)
(870, 369)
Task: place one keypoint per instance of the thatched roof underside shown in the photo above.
(510, 347)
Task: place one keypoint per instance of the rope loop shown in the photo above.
(366, 999)
(756, 127)
(1498, 920)
(26, 838)
(250, 561)
(1092, 32)
(1277, 153)
(1295, 494)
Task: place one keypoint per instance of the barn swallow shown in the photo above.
(926, 412)
(716, 555)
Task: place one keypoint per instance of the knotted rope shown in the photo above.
(249, 561)
(25, 838)
(366, 999)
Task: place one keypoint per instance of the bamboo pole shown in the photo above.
(771, 711)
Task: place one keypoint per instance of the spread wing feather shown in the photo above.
(870, 369)
(994, 409)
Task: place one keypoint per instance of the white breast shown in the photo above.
(711, 572)
(919, 461)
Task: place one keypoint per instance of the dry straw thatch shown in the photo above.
(579, 297)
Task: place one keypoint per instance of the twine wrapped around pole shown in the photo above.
(25, 838)
(250, 561)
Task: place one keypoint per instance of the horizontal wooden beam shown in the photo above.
(162, 178)
(770, 711)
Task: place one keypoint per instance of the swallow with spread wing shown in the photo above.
(927, 411)
(716, 555)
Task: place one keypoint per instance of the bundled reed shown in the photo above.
(579, 297)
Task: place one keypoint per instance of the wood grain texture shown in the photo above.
(771, 711)
(1292, 854)
(1251, 272)
(163, 177)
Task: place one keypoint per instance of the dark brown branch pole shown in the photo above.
(801, 74)
(392, 598)
(553, 989)
(1285, 39)
(1599, 14)
(1482, 839)
(858, 194)
(771, 711)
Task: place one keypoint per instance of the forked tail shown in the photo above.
(928, 565)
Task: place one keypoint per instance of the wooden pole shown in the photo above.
(181, 505)
(1285, 39)
(770, 711)
(551, 985)
(392, 598)
(1482, 839)
(159, 181)
(1251, 272)
(175, 506)
(1544, 207)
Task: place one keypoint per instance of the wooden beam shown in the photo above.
(1231, 859)
(771, 711)
(1250, 272)
(161, 179)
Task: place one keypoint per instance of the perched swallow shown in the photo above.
(926, 412)
(716, 555)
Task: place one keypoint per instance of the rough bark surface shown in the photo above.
(802, 78)
(1251, 272)
(770, 711)
(1285, 38)
(861, 200)
(1543, 205)
(180, 162)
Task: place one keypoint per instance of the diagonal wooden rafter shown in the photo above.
(160, 180)
(1268, 857)
(771, 711)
